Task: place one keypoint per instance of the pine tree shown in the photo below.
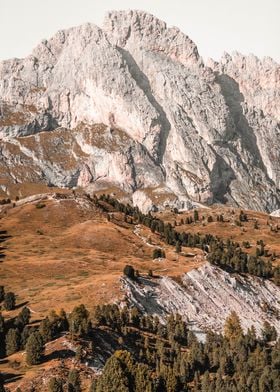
(55, 385)
(2, 324)
(2, 293)
(23, 318)
(25, 335)
(34, 348)
(63, 322)
(269, 332)
(12, 341)
(74, 381)
(2, 335)
(129, 272)
(2, 388)
(9, 301)
(78, 320)
(232, 327)
(178, 247)
(205, 382)
(45, 330)
(113, 377)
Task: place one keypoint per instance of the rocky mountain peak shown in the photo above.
(140, 31)
(259, 80)
(132, 104)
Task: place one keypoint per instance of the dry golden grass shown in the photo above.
(65, 254)
(28, 189)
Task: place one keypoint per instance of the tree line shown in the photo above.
(169, 358)
(227, 255)
(153, 356)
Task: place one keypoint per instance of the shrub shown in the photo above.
(40, 205)
(129, 271)
(157, 252)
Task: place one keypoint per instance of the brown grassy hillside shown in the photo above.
(66, 253)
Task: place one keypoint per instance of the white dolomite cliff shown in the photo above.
(206, 296)
(139, 109)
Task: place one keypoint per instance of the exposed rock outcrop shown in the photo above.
(208, 134)
(276, 213)
(206, 296)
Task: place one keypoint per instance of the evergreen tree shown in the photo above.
(55, 385)
(79, 320)
(2, 388)
(129, 272)
(2, 324)
(2, 335)
(157, 253)
(178, 247)
(205, 383)
(2, 293)
(34, 348)
(63, 324)
(232, 328)
(25, 335)
(23, 318)
(45, 330)
(269, 332)
(12, 341)
(113, 378)
(74, 381)
(9, 301)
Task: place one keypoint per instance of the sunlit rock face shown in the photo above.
(133, 104)
(206, 296)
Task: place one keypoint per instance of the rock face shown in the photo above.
(207, 296)
(276, 213)
(133, 104)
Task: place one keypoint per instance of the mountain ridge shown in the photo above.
(205, 134)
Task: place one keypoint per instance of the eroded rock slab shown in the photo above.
(206, 296)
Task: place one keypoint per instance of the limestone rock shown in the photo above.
(133, 104)
(276, 213)
(244, 295)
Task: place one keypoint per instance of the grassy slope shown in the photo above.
(67, 253)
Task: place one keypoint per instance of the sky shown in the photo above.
(248, 26)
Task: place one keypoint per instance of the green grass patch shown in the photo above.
(83, 273)
(59, 277)
(50, 284)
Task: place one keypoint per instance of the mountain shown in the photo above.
(132, 104)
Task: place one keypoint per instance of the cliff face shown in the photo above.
(134, 105)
